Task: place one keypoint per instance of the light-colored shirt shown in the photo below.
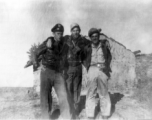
(97, 56)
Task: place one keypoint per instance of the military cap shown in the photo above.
(74, 25)
(93, 30)
(58, 28)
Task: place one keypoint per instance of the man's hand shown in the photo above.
(49, 43)
(70, 45)
(76, 49)
(101, 67)
(35, 64)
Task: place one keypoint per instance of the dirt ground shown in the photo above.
(19, 103)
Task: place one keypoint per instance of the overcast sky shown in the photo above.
(24, 22)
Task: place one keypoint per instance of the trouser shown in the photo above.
(51, 78)
(97, 84)
(74, 81)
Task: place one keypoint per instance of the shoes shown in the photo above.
(99, 117)
(105, 117)
(90, 118)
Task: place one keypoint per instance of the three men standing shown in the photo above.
(68, 54)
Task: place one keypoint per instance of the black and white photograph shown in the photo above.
(76, 59)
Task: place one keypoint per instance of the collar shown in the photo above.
(55, 40)
(75, 41)
(99, 45)
(76, 38)
(58, 40)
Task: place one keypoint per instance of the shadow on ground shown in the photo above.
(114, 99)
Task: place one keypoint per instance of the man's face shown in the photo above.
(58, 35)
(75, 32)
(95, 38)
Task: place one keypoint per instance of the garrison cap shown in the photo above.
(74, 25)
(93, 30)
(58, 28)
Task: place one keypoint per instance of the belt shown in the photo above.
(74, 63)
(57, 69)
(52, 65)
(99, 65)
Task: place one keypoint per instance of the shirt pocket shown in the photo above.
(100, 56)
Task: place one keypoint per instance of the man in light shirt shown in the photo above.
(98, 59)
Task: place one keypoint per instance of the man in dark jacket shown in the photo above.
(74, 55)
(98, 58)
(51, 74)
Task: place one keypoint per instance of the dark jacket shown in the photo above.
(51, 57)
(74, 50)
(107, 56)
